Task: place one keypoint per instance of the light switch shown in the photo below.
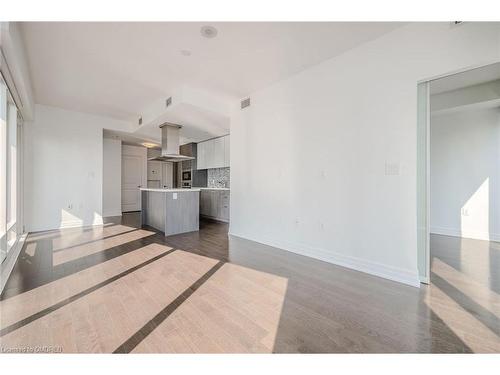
(174, 196)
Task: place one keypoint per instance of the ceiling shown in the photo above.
(132, 140)
(117, 69)
(197, 124)
(465, 79)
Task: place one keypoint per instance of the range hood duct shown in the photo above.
(170, 144)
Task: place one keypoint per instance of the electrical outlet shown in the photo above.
(392, 169)
(465, 211)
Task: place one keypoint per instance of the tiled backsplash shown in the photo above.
(218, 177)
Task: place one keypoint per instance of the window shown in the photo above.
(9, 172)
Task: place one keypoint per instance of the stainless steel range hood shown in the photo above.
(170, 144)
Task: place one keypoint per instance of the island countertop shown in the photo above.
(214, 188)
(165, 190)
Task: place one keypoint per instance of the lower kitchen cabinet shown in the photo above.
(215, 204)
(224, 206)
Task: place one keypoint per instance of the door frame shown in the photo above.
(423, 135)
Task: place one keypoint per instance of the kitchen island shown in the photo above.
(171, 211)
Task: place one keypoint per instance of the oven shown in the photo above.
(186, 176)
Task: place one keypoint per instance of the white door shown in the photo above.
(167, 175)
(132, 179)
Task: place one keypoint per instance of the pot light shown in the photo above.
(149, 145)
(208, 31)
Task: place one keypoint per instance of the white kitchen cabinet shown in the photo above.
(218, 161)
(226, 151)
(205, 157)
(200, 158)
(209, 154)
(213, 153)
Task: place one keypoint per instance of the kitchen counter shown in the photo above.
(165, 190)
(214, 203)
(171, 211)
(213, 188)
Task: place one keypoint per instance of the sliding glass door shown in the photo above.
(3, 170)
(10, 122)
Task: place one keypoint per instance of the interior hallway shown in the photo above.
(122, 288)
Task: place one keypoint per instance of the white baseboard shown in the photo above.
(485, 236)
(78, 223)
(8, 264)
(403, 276)
(65, 225)
(112, 213)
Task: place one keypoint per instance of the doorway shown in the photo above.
(458, 174)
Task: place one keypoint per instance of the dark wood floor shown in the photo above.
(205, 292)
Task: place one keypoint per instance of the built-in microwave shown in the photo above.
(186, 176)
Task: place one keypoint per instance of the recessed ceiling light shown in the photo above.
(208, 31)
(149, 145)
(185, 52)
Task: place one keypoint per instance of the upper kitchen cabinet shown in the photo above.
(200, 157)
(213, 153)
(218, 161)
(226, 151)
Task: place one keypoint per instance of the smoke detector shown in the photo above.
(208, 31)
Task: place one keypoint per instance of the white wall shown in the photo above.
(112, 178)
(308, 157)
(63, 168)
(465, 174)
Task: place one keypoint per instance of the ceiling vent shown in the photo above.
(140, 120)
(168, 102)
(245, 103)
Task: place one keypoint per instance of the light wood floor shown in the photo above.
(121, 288)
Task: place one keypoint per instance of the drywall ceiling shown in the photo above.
(197, 124)
(117, 69)
(465, 79)
(131, 140)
